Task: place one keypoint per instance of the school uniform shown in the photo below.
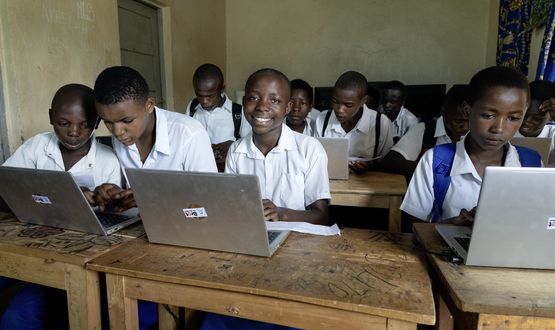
(294, 174)
(548, 131)
(462, 192)
(362, 136)
(42, 151)
(181, 144)
(308, 127)
(219, 122)
(405, 119)
(410, 145)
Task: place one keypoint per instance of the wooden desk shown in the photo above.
(489, 298)
(56, 258)
(372, 189)
(361, 279)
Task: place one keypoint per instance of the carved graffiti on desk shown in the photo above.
(33, 231)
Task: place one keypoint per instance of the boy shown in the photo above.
(393, 101)
(145, 135)
(498, 99)
(301, 96)
(222, 118)
(449, 127)
(71, 148)
(542, 93)
(292, 167)
(368, 132)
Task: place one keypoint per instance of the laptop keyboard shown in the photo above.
(110, 219)
(463, 241)
(272, 235)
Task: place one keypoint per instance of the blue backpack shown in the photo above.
(443, 161)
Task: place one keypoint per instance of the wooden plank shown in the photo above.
(83, 296)
(33, 269)
(372, 183)
(167, 321)
(252, 307)
(123, 310)
(393, 324)
(505, 291)
(374, 273)
(505, 322)
(360, 200)
(395, 217)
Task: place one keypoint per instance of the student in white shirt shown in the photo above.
(298, 118)
(535, 122)
(146, 136)
(221, 118)
(393, 106)
(498, 99)
(351, 118)
(70, 148)
(451, 126)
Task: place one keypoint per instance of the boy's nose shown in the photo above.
(74, 130)
(497, 125)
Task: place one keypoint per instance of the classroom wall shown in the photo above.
(436, 41)
(45, 44)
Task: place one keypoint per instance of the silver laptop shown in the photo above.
(337, 150)
(541, 145)
(53, 198)
(204, 210)
(514, 224)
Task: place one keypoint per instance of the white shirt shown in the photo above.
(362, 136)
(405, 119)
(410, 145)
(308, 127)
(181, 144)
(548, 131)
(219, 122)
(462, 192)
(294, 174)
(42, 151)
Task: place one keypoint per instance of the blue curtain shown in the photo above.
(546, 63)
(513, 47)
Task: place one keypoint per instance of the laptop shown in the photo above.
(337, 150)
(212, 211)
(541, 145)
(514, 224)
(52, 198)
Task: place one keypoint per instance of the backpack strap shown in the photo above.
(441, 168)
(193, 107)
(528, 157)
(429, 141)
(236, 114)
(326, 121)
(377, 137)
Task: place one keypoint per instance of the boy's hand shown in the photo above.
(89, 195)
(126, 200)
(359, 166)
(465, 218)
(548, 106)
(220, 150)
(271, 211)
(107, 194)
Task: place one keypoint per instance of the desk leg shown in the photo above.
(122, 310)
(165, 320)
(395, 214)
(444, 318)
(83, 297)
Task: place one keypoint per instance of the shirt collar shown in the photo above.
(361, 126)
(286, 142)
(440, 127)
(227, 106)
(52, 149)
(162, 143)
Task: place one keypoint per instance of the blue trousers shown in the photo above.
(221, 322)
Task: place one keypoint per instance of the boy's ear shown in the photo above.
(149, 105)
(364, 99)
(288, 107)
(466, 109)
(50, 116)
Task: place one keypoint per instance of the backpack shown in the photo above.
(235, 113)
(376, 138)
(441, 167)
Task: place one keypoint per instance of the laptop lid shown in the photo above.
(541, 145)
(213, 211)
(337, 150)
(514, 225)
(52, 198)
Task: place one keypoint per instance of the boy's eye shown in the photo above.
(487, 116)
(62, 124)
(514, 118)
(127, 121)
(275, 101)
(251, 98)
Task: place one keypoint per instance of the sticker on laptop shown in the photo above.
(196, 212)
(551, 223)
(41, 199)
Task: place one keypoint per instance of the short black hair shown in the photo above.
(207, 72)
(271, 72)
(396, 85)
(542, 90)
(352, 80)
(496, 76)
(303, 85)
(456, 96)
(119, 84)
(85, 93)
